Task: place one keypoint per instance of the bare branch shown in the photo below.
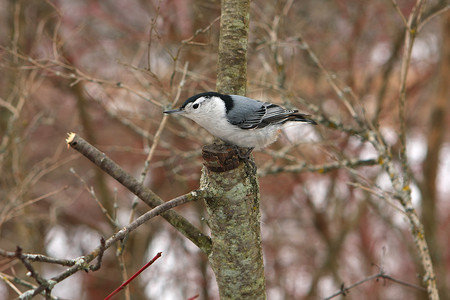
(145, 194)
(82, 262)
(320, 168)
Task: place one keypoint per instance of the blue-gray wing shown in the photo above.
(248, 113)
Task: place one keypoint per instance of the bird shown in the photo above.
(237, 120)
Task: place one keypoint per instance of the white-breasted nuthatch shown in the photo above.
(239, 120)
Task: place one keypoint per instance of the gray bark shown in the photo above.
(234, 218)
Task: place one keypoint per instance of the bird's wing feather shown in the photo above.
(249, 113)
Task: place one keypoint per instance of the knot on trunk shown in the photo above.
(220, 157)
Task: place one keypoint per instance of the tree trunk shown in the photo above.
(234, 219)
(233, 212)
(232, 64)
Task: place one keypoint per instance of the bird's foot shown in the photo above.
(245, 156)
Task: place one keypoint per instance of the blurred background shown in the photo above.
(107, 69)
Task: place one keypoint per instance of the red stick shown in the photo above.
(158, 255)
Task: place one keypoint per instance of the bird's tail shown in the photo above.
(299, 117)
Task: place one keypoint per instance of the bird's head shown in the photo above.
(205, 105)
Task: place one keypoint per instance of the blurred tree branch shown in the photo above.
(348, 61)
(82, 263)
(436, 132)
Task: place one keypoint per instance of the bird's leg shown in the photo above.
(245, 156)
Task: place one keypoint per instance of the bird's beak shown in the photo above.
(175, 111)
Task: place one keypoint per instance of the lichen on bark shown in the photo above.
(234, 219)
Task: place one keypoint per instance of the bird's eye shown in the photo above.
(195, 106)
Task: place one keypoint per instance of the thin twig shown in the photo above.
(14, 211)
(380, 194)
(100, 255)
(432, 16)
(344, 290)
(161, 127)
(330, 78)
(91, 191)
(66, 71)
(402, 16)
(38, 258)
(156, 140)
(9, 280)
(158, 255)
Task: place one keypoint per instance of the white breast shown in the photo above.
(213, 119)
(221, 128)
